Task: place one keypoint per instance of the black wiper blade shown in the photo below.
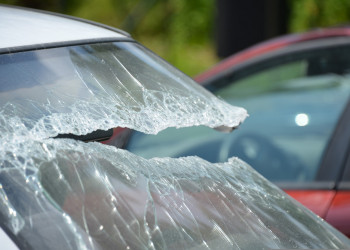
(98, 135)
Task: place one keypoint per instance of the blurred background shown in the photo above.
(194, 35)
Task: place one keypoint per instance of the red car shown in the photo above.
(311, 71)
(296, 89)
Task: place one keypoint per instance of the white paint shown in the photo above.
(19, 27)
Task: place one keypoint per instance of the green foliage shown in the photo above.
(307, 14)
(180, 29)
(102, 11)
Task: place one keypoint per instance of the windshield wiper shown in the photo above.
(98, 135)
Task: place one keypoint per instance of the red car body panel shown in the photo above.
(331, 205)
(339, 212)
(318, 201)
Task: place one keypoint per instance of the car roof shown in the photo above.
(272, 45)
(22, 27)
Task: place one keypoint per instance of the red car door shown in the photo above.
(339, 210)
(318, 201)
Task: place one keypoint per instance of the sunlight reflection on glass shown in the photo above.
(302, 119)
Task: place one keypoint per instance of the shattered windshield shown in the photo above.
(62, 193)
(80, 89)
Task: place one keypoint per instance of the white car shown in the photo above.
(66, 84)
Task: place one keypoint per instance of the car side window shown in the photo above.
(294, 107)
(265, 80)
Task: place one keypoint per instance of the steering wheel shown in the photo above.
(263, 155)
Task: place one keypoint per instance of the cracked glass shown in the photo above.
(61, 192)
